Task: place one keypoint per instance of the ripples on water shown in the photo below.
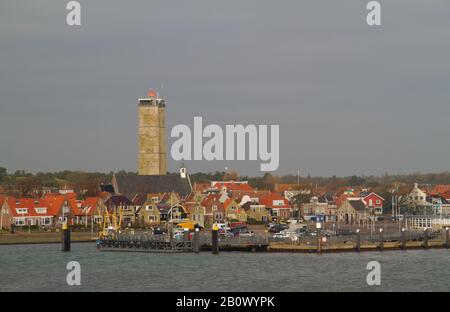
(43, 268)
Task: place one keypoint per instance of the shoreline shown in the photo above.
(44, 238)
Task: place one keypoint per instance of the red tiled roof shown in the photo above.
(31, 204)
(267, 200)
(88, 206)
(211, 200)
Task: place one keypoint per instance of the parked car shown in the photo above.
(239, 231)
(278, 227)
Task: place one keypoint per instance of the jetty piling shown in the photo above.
(319, 238)
(403, 238)
(425, 238)
(358, 240)
(196, 241)
(381, 246)
(447, 237)
(65, 237)
(215, 240)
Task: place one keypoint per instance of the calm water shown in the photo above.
(43, 268)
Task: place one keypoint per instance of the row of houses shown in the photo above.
(49, 210)
(155, 200)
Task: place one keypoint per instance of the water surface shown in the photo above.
(43, 268)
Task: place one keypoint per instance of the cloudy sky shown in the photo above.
(349, 98)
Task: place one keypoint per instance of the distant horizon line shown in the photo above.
(261, 174)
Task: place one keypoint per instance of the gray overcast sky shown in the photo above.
(349, 98)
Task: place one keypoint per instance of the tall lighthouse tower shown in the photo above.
(152, 155)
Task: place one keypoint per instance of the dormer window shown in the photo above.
(155, 199)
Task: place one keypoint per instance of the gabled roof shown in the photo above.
(373, 194)
(212, 200)
(88, 206)
(357, 204)
(32, 205)
(268, 201)
(118, 200)
(130, 185)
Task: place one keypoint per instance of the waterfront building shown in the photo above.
(131, 185)
(256, 212)
(374, 203)
(233, 211)
(353, 211)
(318, 206)
(278, 205)
(90, 211)
(416, 201)
(214, 211)
(117, 203)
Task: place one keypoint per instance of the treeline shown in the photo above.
(22, 183)
(25, 182)
(268, 181)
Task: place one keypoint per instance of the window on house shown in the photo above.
(148, 207)
(378, 201)
(214, 207)
(155, 199)
(19, 222)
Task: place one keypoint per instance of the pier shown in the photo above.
(163, 243)
(403, 240)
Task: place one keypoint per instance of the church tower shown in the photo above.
(152, 135)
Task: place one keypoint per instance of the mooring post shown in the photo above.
(319, 238)
(425, 238)
(65, 237)
(403, 238)
(381, 239)
(447, 237)
(358, 240)
(215, 240)
(196, 241)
